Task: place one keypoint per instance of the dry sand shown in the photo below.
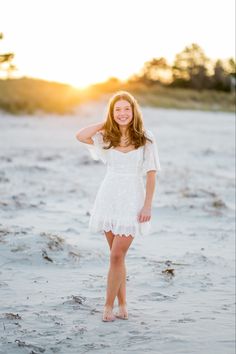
(53, 271)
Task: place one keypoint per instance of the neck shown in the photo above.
(124, 131)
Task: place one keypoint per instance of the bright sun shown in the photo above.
(84, 42)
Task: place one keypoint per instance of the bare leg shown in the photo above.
(116, 273)
(121, 295)
(122, 313)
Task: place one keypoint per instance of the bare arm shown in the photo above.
(150, 188)
(84, 135)
(145, 213)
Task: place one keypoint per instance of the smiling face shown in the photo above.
(122, 113)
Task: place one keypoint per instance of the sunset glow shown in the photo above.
(82, 42)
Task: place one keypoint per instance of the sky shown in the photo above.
(81, 42)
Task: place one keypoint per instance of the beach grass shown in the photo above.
(29, 96)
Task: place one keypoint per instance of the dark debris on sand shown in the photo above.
(169, 271)
(45, 256)
(55, 242)
(35, 348)
(78, 299)
(12, 316)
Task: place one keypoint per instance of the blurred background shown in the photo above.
(56, 54)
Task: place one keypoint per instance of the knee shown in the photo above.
(116, 257)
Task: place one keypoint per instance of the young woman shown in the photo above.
(122, 207)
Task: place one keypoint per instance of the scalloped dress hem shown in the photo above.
(138, 229)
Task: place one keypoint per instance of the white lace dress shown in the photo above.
(121, 194)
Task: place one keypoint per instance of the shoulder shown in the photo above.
(149, 134)
(98, 135)
(98, 138)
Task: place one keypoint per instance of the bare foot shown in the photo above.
(108, 315)
(122, 313)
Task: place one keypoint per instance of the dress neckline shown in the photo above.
(127, 152)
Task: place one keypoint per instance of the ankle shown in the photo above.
(108, 306)
(122, 303)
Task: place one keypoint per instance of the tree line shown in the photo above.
(191, 69)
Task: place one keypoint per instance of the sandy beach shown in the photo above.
(180, 278)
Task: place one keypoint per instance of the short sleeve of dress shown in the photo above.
(151, 157)
(96, 149)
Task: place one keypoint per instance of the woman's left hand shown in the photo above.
(144, 214)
